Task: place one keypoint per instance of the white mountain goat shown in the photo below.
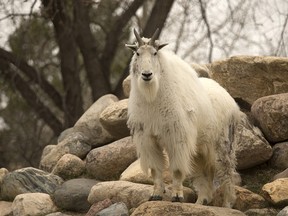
(172, 111)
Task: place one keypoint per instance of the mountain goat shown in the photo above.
(173, 112)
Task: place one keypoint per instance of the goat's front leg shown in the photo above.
(159, 187)
(177, 190)
(152, 157)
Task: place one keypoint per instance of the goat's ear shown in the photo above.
(162, 45)
(133, 47)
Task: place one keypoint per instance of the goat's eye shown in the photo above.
(137, 54)
(155, 53)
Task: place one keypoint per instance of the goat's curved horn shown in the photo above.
(154, 37)
(139, 39)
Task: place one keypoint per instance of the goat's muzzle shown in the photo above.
(146, 76)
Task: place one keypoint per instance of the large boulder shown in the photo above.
(134, 173)
(132, 194)
(276, 192)
(69, 166)
(33, 204)
(6, 208)
(75, 143)
(246, 199)
(72, 195)
(283, 212)
(3, 173)
(28, 180)
(189, 209)
(251, 77)
(262, 212)
(89, 123)
(114, 119)
(271, 113)
(279, 158)
(251, 147)
(109, 161)
(126, 85)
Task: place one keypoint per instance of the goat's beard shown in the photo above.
(149, 89)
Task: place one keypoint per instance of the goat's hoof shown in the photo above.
(177, 199)
(155, 198)
(205, 202)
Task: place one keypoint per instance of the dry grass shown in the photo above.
(254, 178)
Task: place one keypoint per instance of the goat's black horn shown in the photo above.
(154, 37)
(139, 39)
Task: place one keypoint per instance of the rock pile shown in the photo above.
(93, 170)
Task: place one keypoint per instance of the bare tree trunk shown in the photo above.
(60, 13)
(98, 79)
(204, 17)
(158, 17)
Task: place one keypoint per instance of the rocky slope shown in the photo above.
(93, 169)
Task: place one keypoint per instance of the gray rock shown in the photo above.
(172, 209)
(116, 209)
(75, 144)
(66, 133)
(47, 149)
(283, 212)
(283, 174)
(271, 113)
(114, 119)
(28, 180)
(72, 195)
(261, 212)
(89, 123)
(279, 158)
(69, 166)
(33, 204)
(98, 206)
(251, 147)
(109, 161)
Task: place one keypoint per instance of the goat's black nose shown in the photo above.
(146, 76)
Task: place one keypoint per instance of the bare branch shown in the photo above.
(281, 42)
(33, 76)
(209, 35)
(30, 97)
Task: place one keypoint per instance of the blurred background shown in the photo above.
(57, 57)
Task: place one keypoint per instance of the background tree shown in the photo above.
(67, 50)
(59, 56)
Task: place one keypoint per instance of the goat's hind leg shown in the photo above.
(203, 184)
(203, 174)
(225, 174)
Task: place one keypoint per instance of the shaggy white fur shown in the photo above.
(191, 119)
